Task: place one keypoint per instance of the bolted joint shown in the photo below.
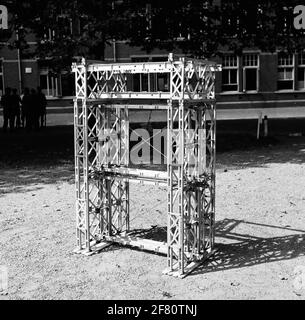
(196, 183)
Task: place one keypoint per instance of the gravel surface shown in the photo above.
(260, 231)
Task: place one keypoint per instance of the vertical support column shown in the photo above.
(125, 162)
(108, 183)
(109, 206)
(191, 177)
(78, 144)
(120, 190)
(101, 161)
(81, 158)
(208, 192)
(99, 183)
(201, 172)
(114, 150)
(170, 182)
(213, 172)
(85, 162)
(119, 193)
(181, 193)
(201, 141)
(175, 167)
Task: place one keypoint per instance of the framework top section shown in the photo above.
(175, 79)
(146, 67)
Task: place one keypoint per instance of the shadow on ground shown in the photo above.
(29, 159)
(50, 146)
(244, 250)
(251, 250)
(47, 156)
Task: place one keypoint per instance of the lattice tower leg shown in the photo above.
(79, 174)
(191, 187)
(175, 188)
(112, 148)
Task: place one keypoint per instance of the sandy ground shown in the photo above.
(260, 233)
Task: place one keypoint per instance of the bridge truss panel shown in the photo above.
(102, 160)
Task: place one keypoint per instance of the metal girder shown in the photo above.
(113, 81)
(102, 168)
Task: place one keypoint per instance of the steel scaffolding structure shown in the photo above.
(104, 97)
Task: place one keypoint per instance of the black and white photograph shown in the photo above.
(152, 151)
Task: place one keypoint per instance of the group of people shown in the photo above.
(28, 111)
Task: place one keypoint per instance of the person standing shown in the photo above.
(25, 109)
(16, 108)
(6, 103)
(42, 102)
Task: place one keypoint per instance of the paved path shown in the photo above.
(222, 114)
(231, 114)
(60, 116)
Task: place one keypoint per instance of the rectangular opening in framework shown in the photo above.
(147, 219)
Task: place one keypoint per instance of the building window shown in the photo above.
(161, 80)
(67, 84)
(285, 71)
(49, 35)
(1, 78)
(153, 82)
(139, 80)
(48, 83)
(230, 73)
(250, 72)
(301, 71)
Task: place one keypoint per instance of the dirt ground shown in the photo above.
(260, 233)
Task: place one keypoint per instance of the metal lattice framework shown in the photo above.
(102, 161)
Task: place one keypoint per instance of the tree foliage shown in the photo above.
(65, 29)
(204, 28)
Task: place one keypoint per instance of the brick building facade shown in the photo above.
(253, 80)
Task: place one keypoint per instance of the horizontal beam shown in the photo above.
(136, 175)
(130, 95)
(125, 240)
(150, 182)
(143, 244)
(146, 95)
(153, 103)
(137, 67)
(139, 106)
(146, 67)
